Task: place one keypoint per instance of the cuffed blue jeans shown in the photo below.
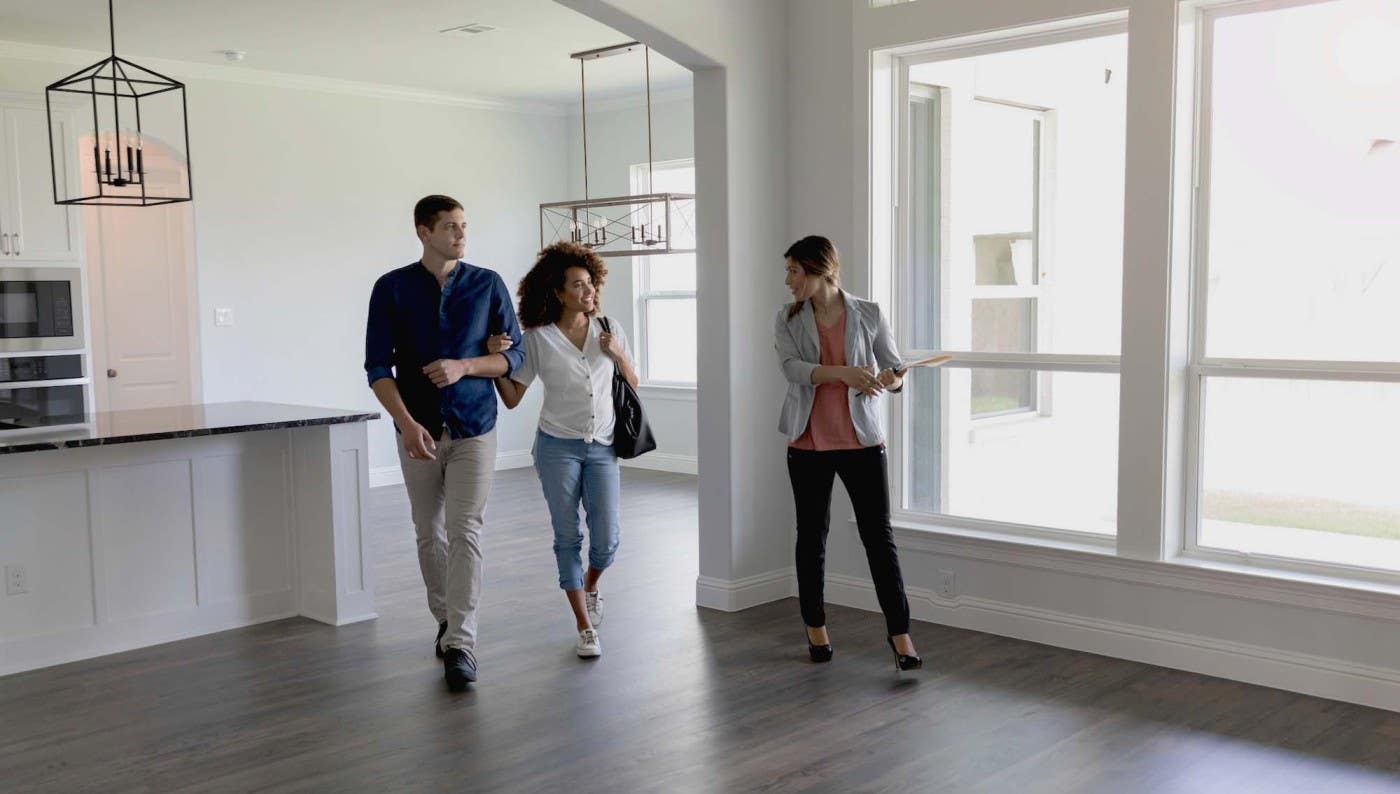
(574, 472)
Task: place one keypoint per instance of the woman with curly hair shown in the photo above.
(574, 357)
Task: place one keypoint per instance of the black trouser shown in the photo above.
(863, 473)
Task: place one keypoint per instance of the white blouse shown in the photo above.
(578, 401)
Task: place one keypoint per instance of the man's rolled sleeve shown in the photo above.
(379, 333)
(506, 321)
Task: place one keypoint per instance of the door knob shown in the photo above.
(111, 373)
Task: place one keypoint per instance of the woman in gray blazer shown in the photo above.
(838, 355)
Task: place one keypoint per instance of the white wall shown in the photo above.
(1305, 635)
(737, 50)
(303, 198)
(617, 140)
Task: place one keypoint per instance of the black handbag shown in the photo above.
(631, 434)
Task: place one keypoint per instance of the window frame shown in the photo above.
(1200, 367)
(902, 256)
(642, 294)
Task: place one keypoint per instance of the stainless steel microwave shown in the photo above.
(41, 309)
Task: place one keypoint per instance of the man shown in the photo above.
(427, 362)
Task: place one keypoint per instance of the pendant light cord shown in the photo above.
(651, 165)
(583, 114)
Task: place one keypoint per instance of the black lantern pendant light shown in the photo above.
(139, 118)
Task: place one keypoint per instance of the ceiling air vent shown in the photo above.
(470, 29)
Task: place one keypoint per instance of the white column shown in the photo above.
(1151, 408)
(330, 476)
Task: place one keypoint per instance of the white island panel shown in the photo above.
(134, 534)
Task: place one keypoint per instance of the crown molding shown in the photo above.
(187, 70)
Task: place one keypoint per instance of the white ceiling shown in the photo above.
(392, 42)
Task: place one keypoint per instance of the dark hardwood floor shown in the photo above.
(682, 700)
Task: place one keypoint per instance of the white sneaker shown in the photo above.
(593, 604)
(588, 645)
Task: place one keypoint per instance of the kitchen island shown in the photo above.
(142, 527)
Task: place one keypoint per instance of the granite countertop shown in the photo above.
(181, 421)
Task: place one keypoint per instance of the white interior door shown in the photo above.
(141, 276)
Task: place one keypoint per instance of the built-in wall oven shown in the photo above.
(40, 309)
(46, 391)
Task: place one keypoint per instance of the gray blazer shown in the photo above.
(868, 342)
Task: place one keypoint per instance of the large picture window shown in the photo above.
(1256, 424)
(1012, 260)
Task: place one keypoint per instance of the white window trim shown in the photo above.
(1201, 366)
(899, 440)
(642, 297)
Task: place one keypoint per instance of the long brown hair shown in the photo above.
(539, 290)
(818, 257)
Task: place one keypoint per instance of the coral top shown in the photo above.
(830, 426)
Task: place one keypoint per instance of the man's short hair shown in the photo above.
(425, 212)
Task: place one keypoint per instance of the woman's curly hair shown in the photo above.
(538, 291)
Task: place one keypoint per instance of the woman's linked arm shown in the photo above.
(511, 391)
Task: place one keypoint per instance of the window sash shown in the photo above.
(903, 281)
(1200, 366)
(643, 354)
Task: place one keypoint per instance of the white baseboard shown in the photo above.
(739, 594)
(392, 475)
(32, 652)
(664, 461)
(1311, 675)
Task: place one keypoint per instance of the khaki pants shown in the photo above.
(448, 499)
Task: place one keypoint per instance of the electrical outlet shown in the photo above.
(223, 317)
(16, 580)
(947, 584)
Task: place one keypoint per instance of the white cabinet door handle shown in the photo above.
(5, 243)
(16, 236)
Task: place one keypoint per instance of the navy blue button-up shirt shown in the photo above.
(413, 322)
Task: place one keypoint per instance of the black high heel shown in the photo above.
(818, 653)
(902, 662)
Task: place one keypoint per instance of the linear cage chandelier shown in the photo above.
(645, 224)
(130, 166)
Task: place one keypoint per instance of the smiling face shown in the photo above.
(579, 294)
(447, 238)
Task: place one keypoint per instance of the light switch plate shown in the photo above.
(223, 317)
